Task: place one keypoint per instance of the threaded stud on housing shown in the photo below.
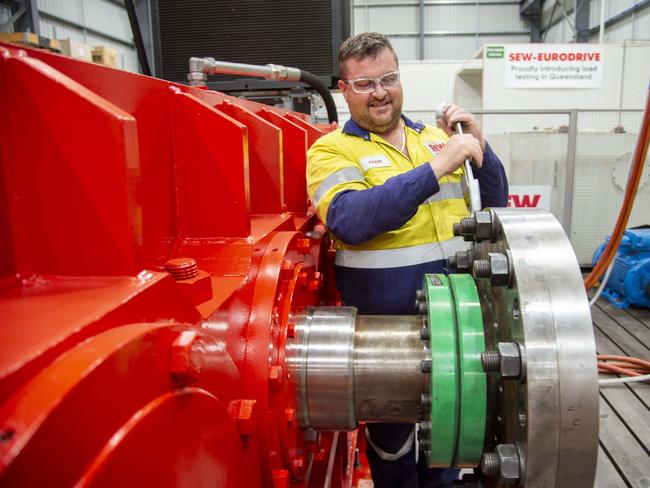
(490, 360)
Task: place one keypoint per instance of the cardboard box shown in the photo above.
(31, 39)
(105, 55)
(76, 49)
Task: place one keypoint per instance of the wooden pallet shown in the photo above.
(624, 454)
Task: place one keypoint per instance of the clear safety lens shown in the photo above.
(367, 85)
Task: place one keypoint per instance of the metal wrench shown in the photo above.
(473, 189)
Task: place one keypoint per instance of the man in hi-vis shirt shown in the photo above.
(388, 190)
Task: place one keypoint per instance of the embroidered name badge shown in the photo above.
(371, 162)
(435, 147)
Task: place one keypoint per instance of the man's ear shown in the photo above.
(344, 89)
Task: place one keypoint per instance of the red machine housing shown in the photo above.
(157, 240)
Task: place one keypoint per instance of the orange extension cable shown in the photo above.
(624, 365)
(630, 192)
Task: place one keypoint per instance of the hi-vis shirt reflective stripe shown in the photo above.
(407, 208)
(345, 175)
(404, 256)
(448, 191)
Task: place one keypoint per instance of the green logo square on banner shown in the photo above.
(494, 52)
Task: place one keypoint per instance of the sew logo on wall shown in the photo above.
(435, 147)
(530, 196)
(553, 66)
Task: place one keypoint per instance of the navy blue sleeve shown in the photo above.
(357, 216)
(492, 180)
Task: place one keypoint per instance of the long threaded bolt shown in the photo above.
(481, 268)
(467, 225)
(182, 268)
(456, 229)
(491, 361)
(490, 463)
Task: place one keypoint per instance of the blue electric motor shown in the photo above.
(629, 282)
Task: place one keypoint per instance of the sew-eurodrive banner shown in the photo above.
(553, 66)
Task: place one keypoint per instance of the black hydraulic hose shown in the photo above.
(313, 81)
(137, 37)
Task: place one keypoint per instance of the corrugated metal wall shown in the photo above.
(633, 26)
(91, 22)
(419, 29)
(441, 29)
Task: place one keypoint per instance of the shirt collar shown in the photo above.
(352, 128)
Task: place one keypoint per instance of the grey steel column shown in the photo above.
(567, 214)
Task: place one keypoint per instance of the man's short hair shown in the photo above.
(366, 44)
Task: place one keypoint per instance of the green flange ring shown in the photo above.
(444, 371)
(473, 383)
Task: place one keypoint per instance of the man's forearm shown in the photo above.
(355, 217)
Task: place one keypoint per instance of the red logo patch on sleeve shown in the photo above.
(435, 147)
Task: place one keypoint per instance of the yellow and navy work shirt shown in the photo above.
(389, 217)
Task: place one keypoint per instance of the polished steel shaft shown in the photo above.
(353, 368)
(388, 382)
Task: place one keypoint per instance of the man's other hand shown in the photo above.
(455, 114)
(458, 148)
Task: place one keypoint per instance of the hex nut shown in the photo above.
(483, 225)
(499, 269)
(509, 359)
(464, 260)
(509, 470)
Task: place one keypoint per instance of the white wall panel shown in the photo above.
(57, 30)
(389, 2)
(612, 7)
(108, 18)
(455, 18)
(71, 10)
(622, 31)
(360, 20)
(402, 24)
(643, 24)
(405, 47)
(514, 39)
(500, 18)
(391, 20)
(452, 47)
(427, 83)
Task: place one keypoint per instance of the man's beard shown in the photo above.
(371, 124)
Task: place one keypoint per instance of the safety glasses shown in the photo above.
(368, 85)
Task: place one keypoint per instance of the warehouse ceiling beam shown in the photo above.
(621, 16)
(582, 21)
(28, 20)
(531, 12)
(421, 26)
(15, 16)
